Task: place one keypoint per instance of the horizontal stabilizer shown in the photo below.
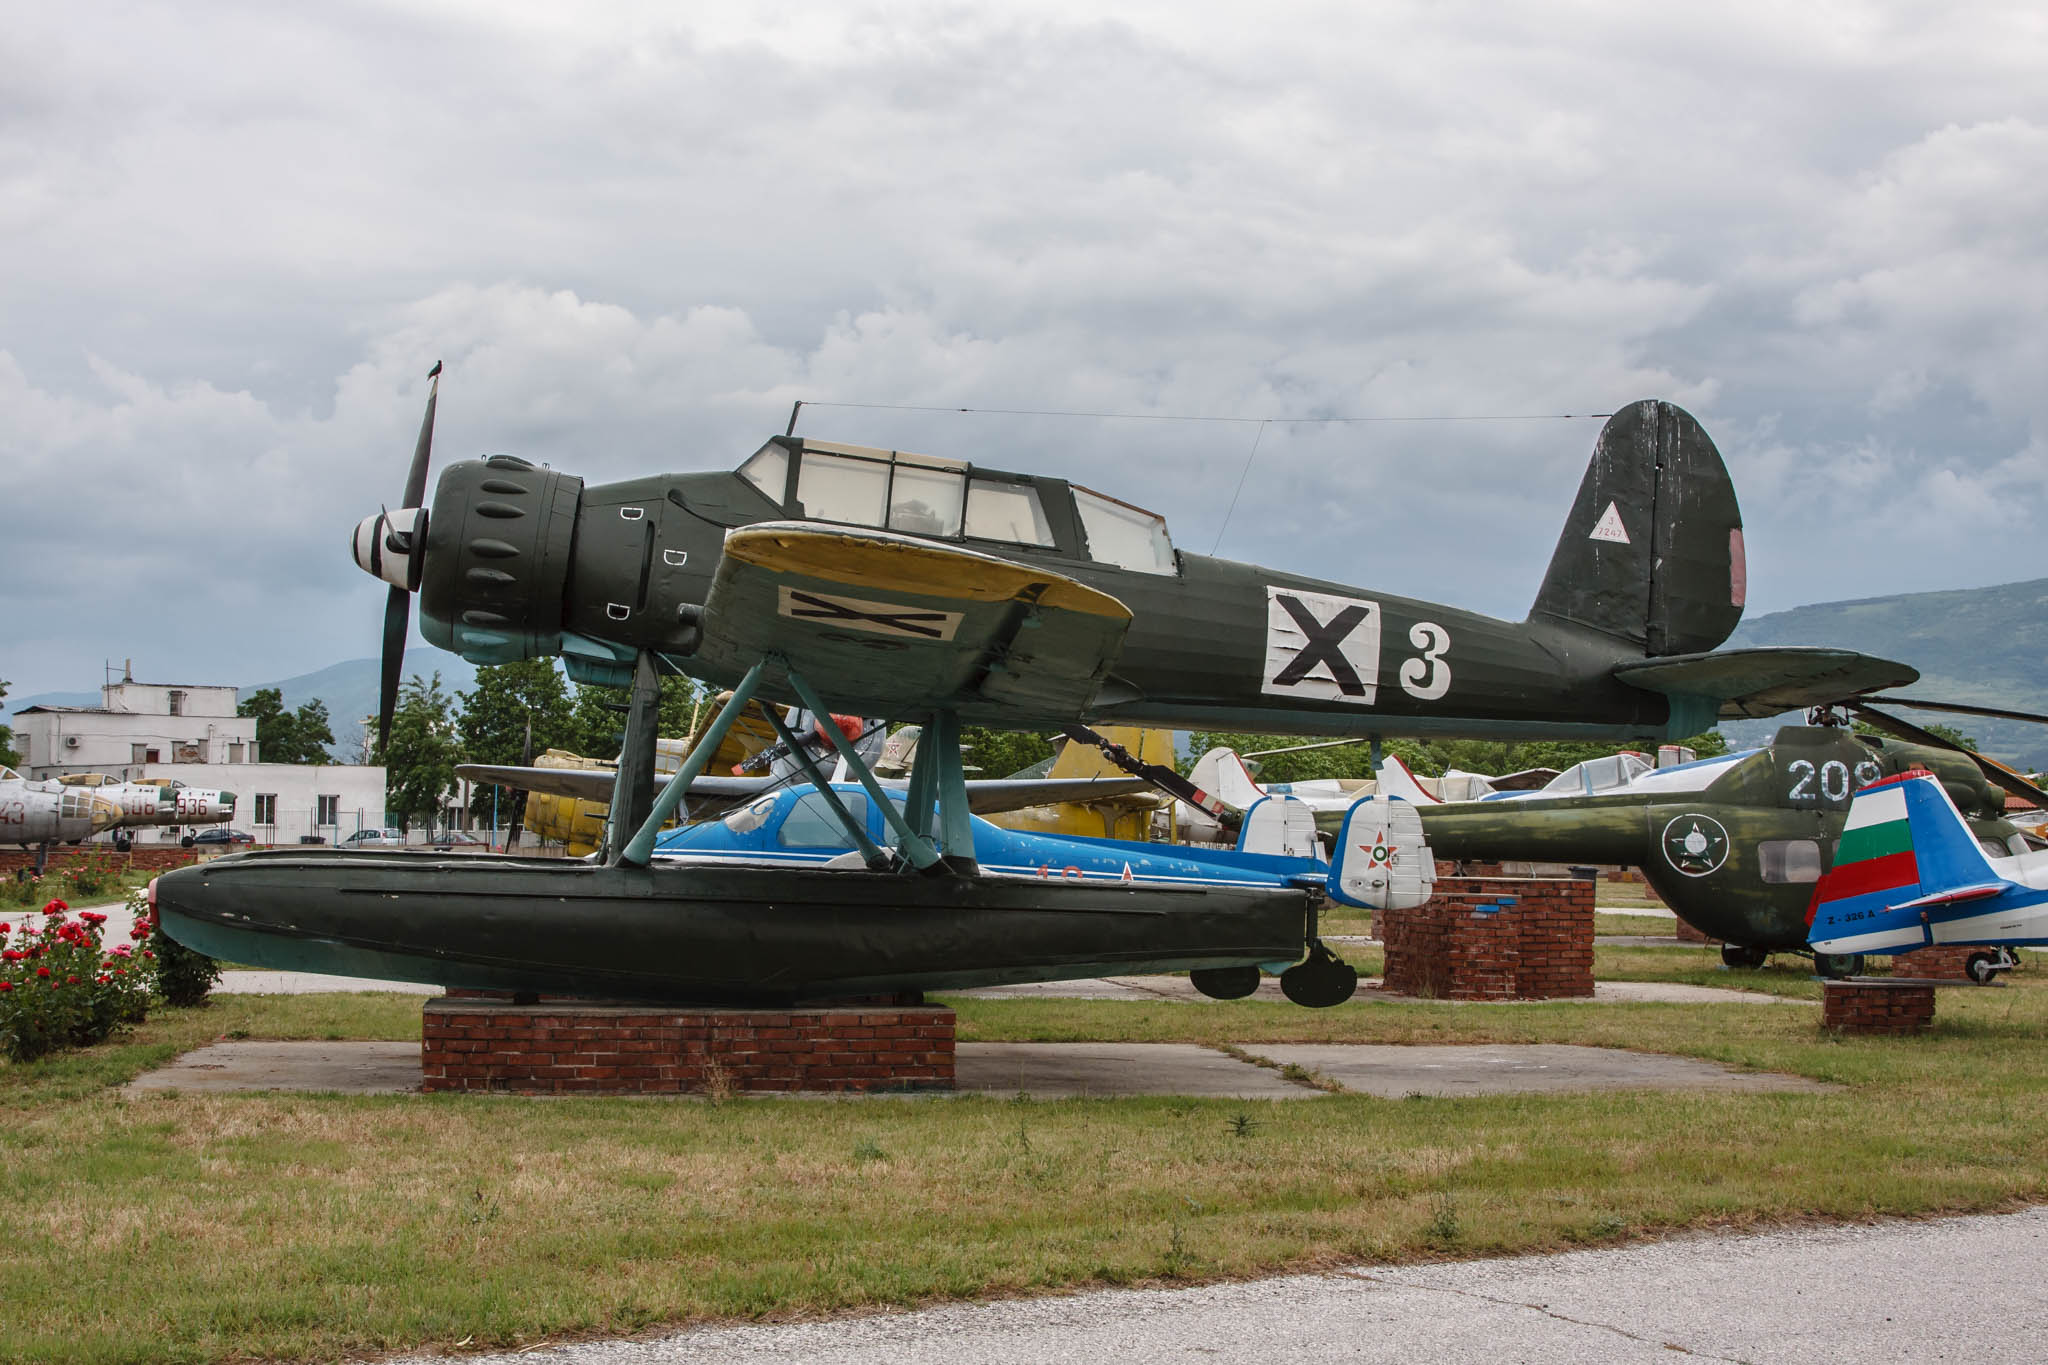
(1767, 681)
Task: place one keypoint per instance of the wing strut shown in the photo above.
(633, 788)
(872, 853)
(640, 847)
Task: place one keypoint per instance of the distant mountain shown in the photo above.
(1987, 646)
(349, 689)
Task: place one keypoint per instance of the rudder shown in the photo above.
(1652, 551)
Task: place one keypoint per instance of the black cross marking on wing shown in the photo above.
(910, 620)
(1323, 646)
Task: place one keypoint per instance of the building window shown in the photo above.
(234, 753)
(139, 753)
(177, 702)
(266, 808)
(150, 756)
(330, 810)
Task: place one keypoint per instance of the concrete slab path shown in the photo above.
(1393, 1072)
(1066, 1070)
(1962, 1289)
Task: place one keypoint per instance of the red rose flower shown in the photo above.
(92, 917)
(6, 985)
(71, 981)
(42, 971)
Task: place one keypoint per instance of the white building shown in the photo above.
(155, 732)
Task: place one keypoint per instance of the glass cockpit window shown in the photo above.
(925, 500)
(811, 823)
(1126, 536)
(768, 471)
(998, 510)
(843, 488)
(1788, 860)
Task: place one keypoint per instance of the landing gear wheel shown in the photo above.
(123, 844)
(1225, 983)
(1838, 965)
(1321, 981)
(1982, 967)
(1736, 955)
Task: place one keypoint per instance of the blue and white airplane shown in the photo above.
(1909, 873)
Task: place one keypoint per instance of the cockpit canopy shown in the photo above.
(924, 495)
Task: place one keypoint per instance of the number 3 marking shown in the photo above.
(1428, 677)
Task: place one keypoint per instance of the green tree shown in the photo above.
(9, 756)
(282, 736)
(495, 718)
(1428, 758)
(419, 763)
(597, 717)
(998, 753)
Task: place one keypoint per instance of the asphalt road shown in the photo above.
(1963, 1289)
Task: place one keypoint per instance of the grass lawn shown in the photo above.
(192, 1227)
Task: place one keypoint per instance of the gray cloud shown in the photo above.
(238, 235)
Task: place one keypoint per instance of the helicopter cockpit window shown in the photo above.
(1126, 536)
(1788, 860)
(768, 470)
(999, 510)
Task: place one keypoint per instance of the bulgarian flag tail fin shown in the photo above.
(1903, 850)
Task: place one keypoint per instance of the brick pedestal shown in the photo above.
(145, 857)
(576, 1046)
(1876, 1006)
(1937, 962)
(1493, 938)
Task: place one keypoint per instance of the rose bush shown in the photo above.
(183, 977)
(60, 987)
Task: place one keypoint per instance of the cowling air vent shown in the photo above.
(498, 550)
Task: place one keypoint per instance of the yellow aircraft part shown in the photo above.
(579, 825)
(1116, 817)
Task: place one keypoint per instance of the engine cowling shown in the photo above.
(500, 541)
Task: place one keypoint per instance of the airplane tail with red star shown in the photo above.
(1382, 862)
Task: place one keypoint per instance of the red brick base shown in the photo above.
(1876, 1007)
(1687, 934)
(1493, 938)
(149, 857)
(571, 1046)
(1937, 962)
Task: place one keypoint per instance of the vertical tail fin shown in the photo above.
(1652, 550)
(1904, 851)
(1280, 825)
(1222, 774)
(1382, 861)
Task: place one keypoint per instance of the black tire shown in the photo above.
(1982, 967)
(1835, 966)
(1225, 983)
(1318, 984)
(1736, 955)
(187, 842)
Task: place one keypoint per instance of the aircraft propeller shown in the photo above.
(392, 546)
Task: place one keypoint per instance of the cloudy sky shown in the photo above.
(236, 235)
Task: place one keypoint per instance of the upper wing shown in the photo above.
(890, 625)
(984, 796)
(1767, 681)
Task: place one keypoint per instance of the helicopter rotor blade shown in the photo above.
(1961, 709)
(1994, 772)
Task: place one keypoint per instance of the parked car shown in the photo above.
(217, 835)
(450, 839)
(375, 836)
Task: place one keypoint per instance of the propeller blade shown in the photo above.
(1994, 772)
(416, 477)
(397, 618)
(1961, 709)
